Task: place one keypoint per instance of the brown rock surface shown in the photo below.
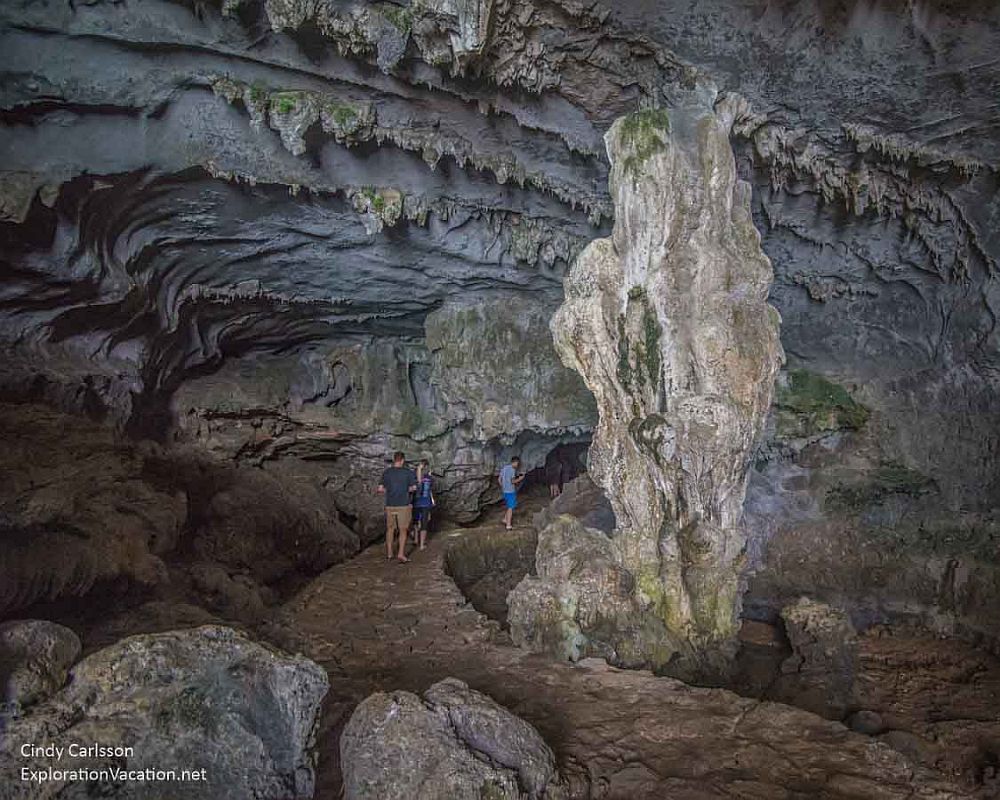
(381, 626)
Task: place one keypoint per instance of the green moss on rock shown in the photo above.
(808, 404)
(284, 102)
(890, 478)
(400, 18)
(644, 135)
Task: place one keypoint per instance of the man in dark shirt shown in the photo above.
(397, 483)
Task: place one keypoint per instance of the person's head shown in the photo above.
(398, 458)
(515, 462)
(425, 465)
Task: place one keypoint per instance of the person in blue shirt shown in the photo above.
(510, 480)
(423, 501)
(396, 484)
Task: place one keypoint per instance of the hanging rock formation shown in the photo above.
(668, 323)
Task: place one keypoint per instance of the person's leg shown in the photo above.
(389, 522)
(404, 525)
(425, 523)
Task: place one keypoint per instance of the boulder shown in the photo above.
(454, 744)
(582, 601)
(239, 715)
(269, 524)
(820, 672)
(35, 657)
(584, 499)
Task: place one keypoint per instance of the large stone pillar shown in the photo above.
(668, 323)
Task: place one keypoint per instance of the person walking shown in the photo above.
(510, 480)
(396, 484)
(423, 501)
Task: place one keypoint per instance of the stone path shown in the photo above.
(378, 625)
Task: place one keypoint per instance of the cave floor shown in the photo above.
(383, 626)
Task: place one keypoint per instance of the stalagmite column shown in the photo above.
(668, 323)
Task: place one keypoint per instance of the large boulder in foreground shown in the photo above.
(454, 744)
(35, 657)
(205, 699)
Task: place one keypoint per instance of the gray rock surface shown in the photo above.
(296, 177)
(35, 657)
(262, 190)
(454, 744)
(821, 670)
(205, 698)
(667, 321)
(584, 499)
(582, 602)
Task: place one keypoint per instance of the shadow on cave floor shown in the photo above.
(487, 566)
(382, 626)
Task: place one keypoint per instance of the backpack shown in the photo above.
(424, 491)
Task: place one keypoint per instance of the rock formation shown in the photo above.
(454, 744)
(202, 699)
(87, 513)
(35, 656)
(669, 325)
(824, 659)
(247, 249)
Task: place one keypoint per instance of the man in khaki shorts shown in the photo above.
(397, 483)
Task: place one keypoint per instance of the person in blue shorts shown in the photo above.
(510, 480)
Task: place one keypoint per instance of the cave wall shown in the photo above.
(247, 226)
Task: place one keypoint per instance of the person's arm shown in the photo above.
(517, 479)
(413, 482)
(381, 485)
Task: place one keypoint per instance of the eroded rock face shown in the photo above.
(668, 323)
(485, 383)
(454, 744)
(77, 510)
(584, 499)
(35, 656)
(86, 513)
(202, 698)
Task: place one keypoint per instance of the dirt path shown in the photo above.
(378, 625)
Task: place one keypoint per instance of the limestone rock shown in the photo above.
(35, 657)
(668, 323)
(271, 525)
(485, 383)
(495, 367)
(202, 698)
(584, 499)
(582, 601)
(454, 744)
(824, 657)
(76, 509)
